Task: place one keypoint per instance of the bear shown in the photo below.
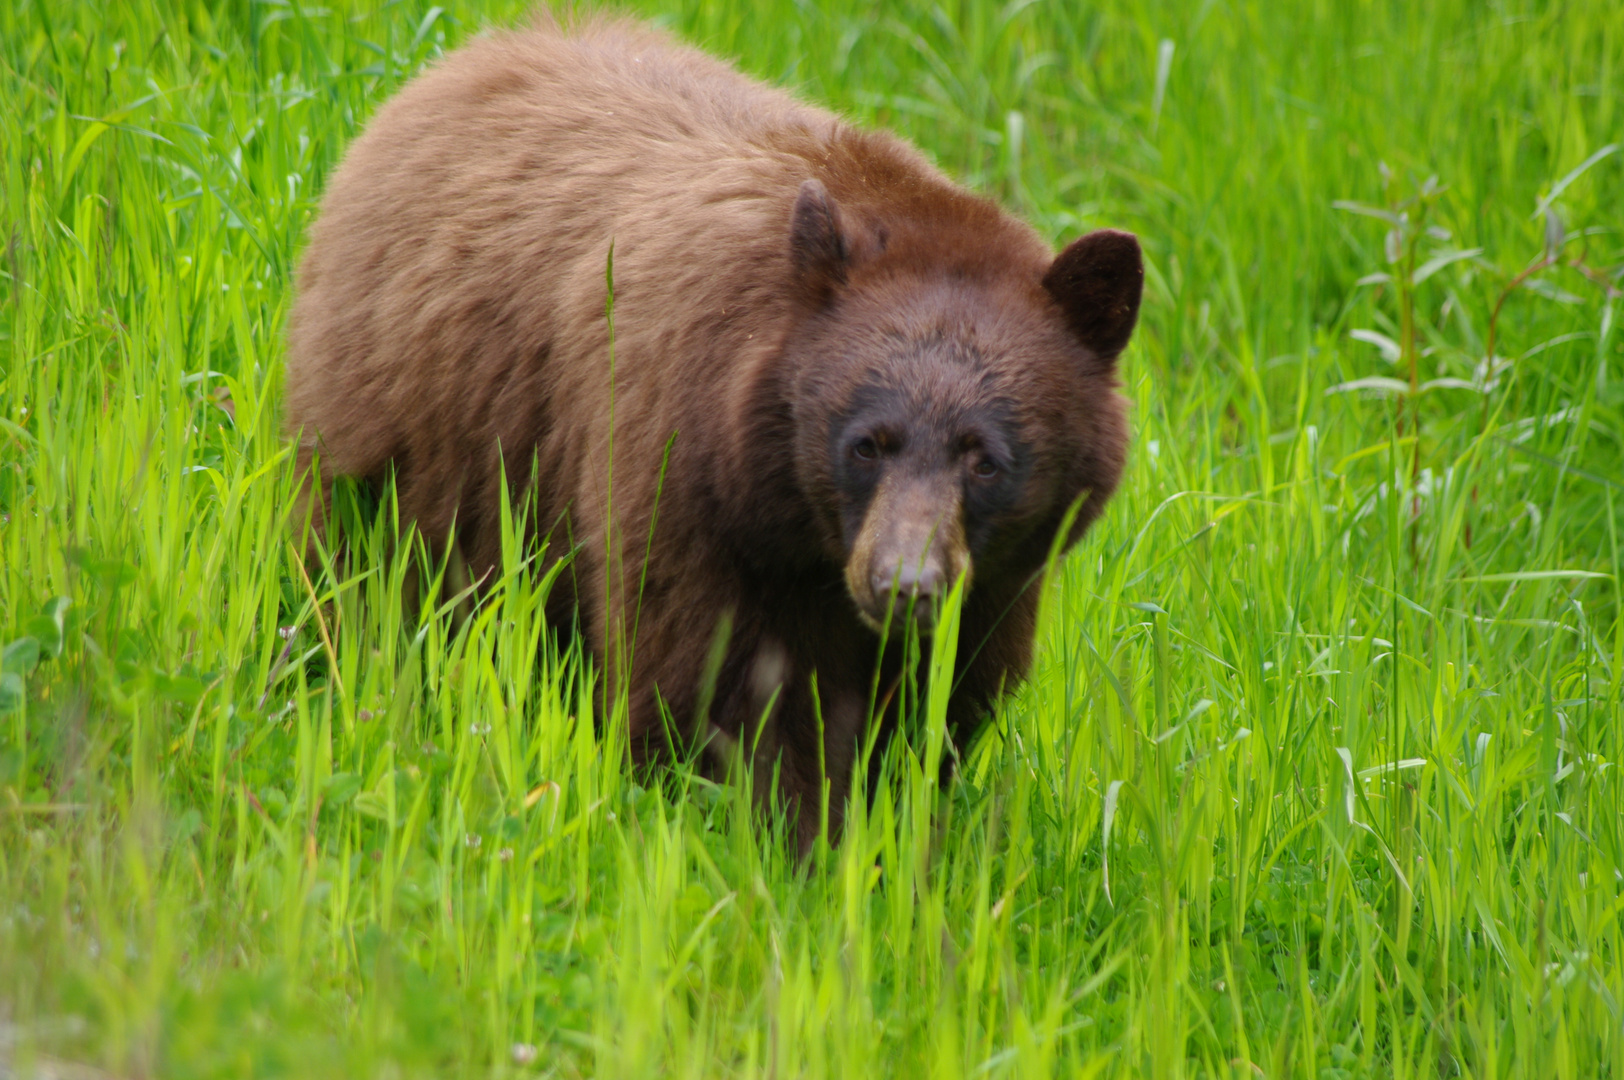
(836, 383)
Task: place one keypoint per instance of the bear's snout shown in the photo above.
(909, 552)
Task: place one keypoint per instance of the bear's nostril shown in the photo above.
(910, 579)
(927, 579)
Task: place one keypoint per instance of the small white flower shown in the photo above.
(523, 1053)
(474, 840)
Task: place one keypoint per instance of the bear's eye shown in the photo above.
(985, 469)
(865, 450)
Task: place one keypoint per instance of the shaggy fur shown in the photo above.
(872, 376)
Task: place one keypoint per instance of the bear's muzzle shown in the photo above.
(909, 552)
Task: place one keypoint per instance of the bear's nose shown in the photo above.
(920, 580)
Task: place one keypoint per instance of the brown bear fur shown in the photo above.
(782, 280)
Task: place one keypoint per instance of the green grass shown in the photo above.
(1317, 773)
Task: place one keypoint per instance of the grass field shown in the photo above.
(1316, 775)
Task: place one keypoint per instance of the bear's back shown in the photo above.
(455, 278)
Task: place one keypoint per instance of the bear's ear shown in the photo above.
(1097, 282)
(817, 243)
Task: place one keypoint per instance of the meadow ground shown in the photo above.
(1317, 773)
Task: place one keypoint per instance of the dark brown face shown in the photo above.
(944, 424)
(928, 465)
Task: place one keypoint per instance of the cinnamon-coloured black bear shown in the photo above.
(868, 380)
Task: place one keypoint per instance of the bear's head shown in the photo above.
(950, 405)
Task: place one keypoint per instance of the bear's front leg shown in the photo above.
(800, 734)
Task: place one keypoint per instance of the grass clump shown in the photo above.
(1316, 775)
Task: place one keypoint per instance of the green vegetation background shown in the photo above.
(1316, 775)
